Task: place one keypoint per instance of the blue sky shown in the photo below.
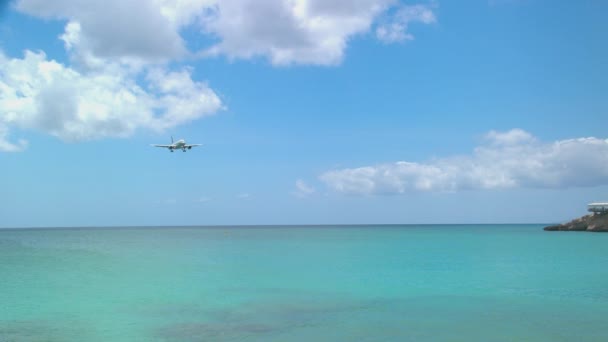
(310, 112)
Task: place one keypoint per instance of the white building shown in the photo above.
(598, 207)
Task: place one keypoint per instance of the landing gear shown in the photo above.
(171, 149)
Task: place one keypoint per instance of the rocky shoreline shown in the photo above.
(587, 223)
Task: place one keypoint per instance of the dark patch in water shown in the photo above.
(171, 310)
(185, 332)
(263, 320)
(28, 331)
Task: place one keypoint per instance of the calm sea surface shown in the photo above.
(362, 283)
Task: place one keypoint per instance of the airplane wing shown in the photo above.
(165, 146)
(193, 145)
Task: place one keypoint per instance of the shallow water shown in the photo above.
(363, 283)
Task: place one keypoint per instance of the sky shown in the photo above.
(309, 111)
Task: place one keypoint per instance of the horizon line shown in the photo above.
(264, 225)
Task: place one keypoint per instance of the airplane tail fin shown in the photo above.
(172, 139)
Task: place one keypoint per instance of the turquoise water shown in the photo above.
(364, 283)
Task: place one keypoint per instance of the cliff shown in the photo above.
(587, 223)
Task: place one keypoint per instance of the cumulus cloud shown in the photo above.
(118, 80)
(395, 29)
(513, 137)
(121, 28)
(284, 31)
(303, 189)
(505, 160)
(44, 95)
(288, 32)
(300, 32)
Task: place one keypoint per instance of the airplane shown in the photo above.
(178, 145)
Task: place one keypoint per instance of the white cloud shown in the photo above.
(243, 195)
(395, 29)
(513, 137)
(6, 146)
(44, 95)
(121, 28)
(284, 31)
(299, 31)
(290, 31)
(118, 79)
(505, 160)
(303, 189)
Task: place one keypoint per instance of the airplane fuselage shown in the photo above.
(179, 145)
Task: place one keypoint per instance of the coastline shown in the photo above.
(589, 223)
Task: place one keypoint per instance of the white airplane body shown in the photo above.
(178, 145)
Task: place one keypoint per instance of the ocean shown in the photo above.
(309, 283)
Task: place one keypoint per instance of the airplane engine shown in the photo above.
(189, 147)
